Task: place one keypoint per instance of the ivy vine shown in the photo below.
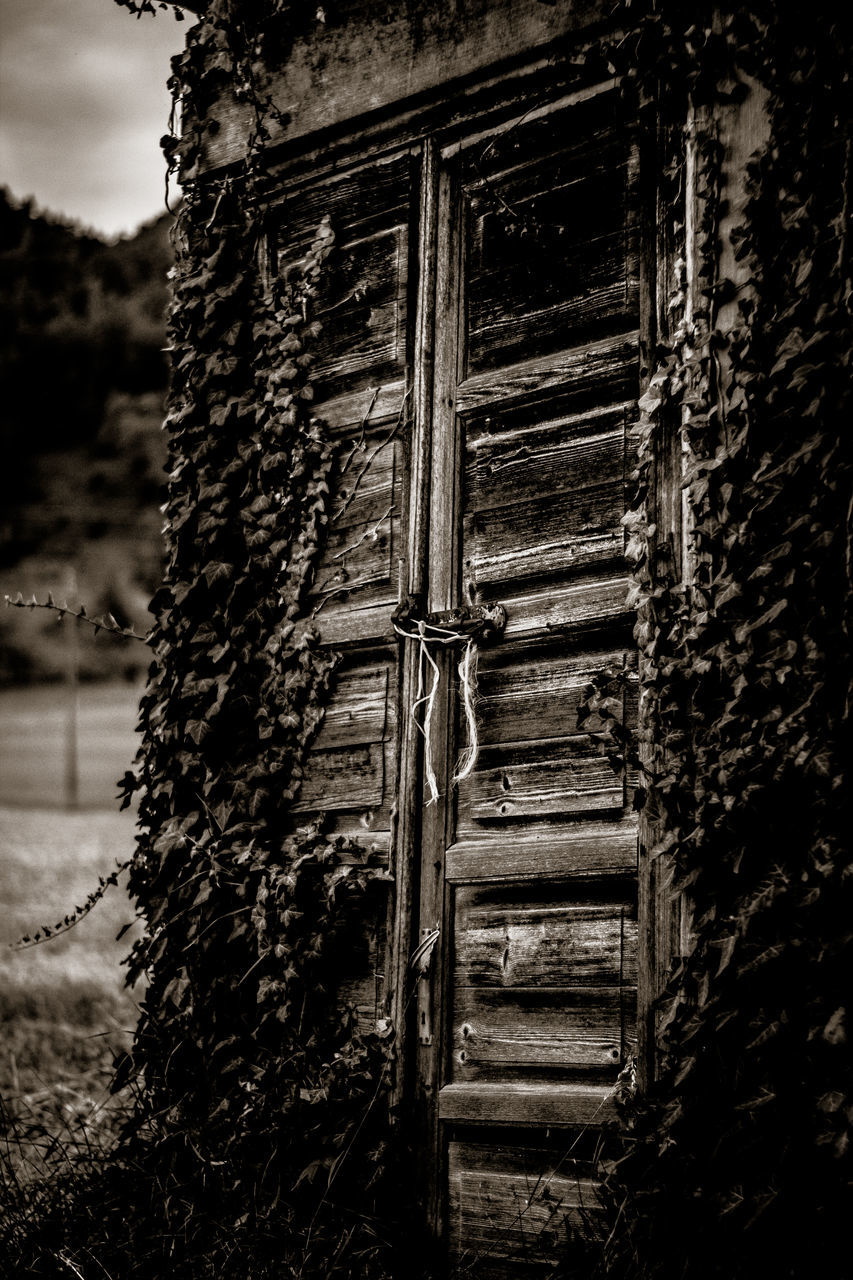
(267, 1090)
(258, 1143)
(737, 1163)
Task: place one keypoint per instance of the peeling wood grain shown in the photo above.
(369, 55)
(527, 698)
(361, 299)
(359, 200)
(559, 778)
(577, 96)
(505, 1227)
(516, 1213)
(541, 613)
(343, 626)
(345, 414)
(512, 1031)
(577, 133)
(358, 556)
(361, 304)
(360, 710)
(541, 850)
(349, 778)
(542, 945)
(604, 370)
(553, 533)
(499, 337)
(360, 550)
(516, 460)
(546, 236)
(366, 481)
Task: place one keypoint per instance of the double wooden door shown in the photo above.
(480, 364)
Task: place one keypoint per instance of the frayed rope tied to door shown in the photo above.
(468, 626)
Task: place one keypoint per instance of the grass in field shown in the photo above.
(64, 1010)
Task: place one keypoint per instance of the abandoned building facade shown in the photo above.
(514, 244)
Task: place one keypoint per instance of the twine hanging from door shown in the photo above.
(467, 669)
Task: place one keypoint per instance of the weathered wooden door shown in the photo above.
(527, 881)
(479, 366)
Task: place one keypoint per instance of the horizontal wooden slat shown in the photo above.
(586, 93)
(365, 481)
(358, 200)
(540, 779)
(514, 1030)
(359, 710)
(375, 54)
(513, 461)
(360, 544)
(606, 370)
(342, 626)
(536, 614)
(361, 305)
(357, 556)
(500, 945)
(595, 849)
(368, 407)
(522, 1102)
(535, 697)
(551, 191)
(551, 534)
(577, 130)
(507, 337)
(368, 829)
(546, 245)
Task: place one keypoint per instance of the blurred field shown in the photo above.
(33, 725)
(64, 1010)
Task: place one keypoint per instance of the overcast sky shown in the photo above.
(83, 104)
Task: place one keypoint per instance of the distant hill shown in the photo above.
(82, 383)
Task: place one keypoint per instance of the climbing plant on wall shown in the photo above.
(738, 1162)
(266, 1090)
(257, 1145)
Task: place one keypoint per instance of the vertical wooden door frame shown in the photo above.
(737, 126)
(442, 593)
(405, 843)
(422, 833)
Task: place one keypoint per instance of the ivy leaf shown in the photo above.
(218, 573)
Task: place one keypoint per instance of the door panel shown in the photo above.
(538, 698)
(362, 365)
(506, 936)
(362, 290)
(515, 1209)
(548, 259)
(529, 863)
